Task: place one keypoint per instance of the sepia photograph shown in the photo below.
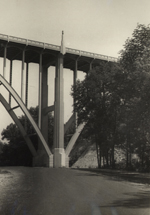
(74, 107)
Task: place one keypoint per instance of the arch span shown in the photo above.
(74, 138)
(26, 112)
(16, 120)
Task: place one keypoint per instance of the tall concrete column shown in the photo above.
(44, 103)
(10, 80)
(23, 77)
(26, 92)
(27, 77)
(40, 91)
(74, 82)
(91, 64)
(4, 61)
(43, 99)
(59, 153)
(46, 161)
(42, 159)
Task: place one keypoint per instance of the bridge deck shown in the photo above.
(33, 49)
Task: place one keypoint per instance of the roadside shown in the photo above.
(87, 161)
(120, 175)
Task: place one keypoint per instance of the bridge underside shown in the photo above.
(50, 52)
(45, 55)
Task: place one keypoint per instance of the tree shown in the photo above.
(1, 146)
(96, 102)
(16, 151)
(114, 101)
(135, 63)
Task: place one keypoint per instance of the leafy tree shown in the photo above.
(114, 101)
(135, 63)
(1, 146)
(97, 101)
(16, 151)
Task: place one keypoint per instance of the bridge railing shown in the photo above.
(57, 48)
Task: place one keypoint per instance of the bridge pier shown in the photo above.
(44, 104)
(42, 159)
(74, 83)
(59, 153)
(4, 60)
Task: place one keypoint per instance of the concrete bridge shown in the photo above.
(45, 55)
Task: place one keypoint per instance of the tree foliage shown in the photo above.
(135, 63)
(16, 152)
(96, 102)
(114, 101)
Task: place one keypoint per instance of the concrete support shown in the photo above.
(27, 81)
(26, 93)
(43, 101)
(74, 82)
(91, 64)
(44, 104)
(10, 81)
(40, 91)
(42, 158)
(59, 157)
(23, 76)
(59, 153)
(4, 61)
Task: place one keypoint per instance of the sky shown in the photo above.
(99, 26)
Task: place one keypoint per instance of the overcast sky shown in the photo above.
(99, 26)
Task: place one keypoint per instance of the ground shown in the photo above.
(45, 191)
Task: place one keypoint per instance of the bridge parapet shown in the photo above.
(56, 48)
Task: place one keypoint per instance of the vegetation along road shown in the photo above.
(36, 191)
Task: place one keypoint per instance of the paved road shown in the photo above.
(43, 191)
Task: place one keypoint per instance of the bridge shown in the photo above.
(45, 55)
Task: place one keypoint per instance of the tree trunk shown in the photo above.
(142, 157)
(130, 159)
(107, 163)
(110, 163)
(103, 160)
(127, 158)
(114, 139)
(98, 157)
(113, 158)
(127, 154)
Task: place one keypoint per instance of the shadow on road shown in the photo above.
(136, 200)
(140, 200)
(130, 200)
(118, 175)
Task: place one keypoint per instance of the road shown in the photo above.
(44, 191)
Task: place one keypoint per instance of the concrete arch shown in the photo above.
(26, 112)
(74, 138)
(16, 120)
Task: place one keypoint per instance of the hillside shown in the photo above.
(86, 157)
